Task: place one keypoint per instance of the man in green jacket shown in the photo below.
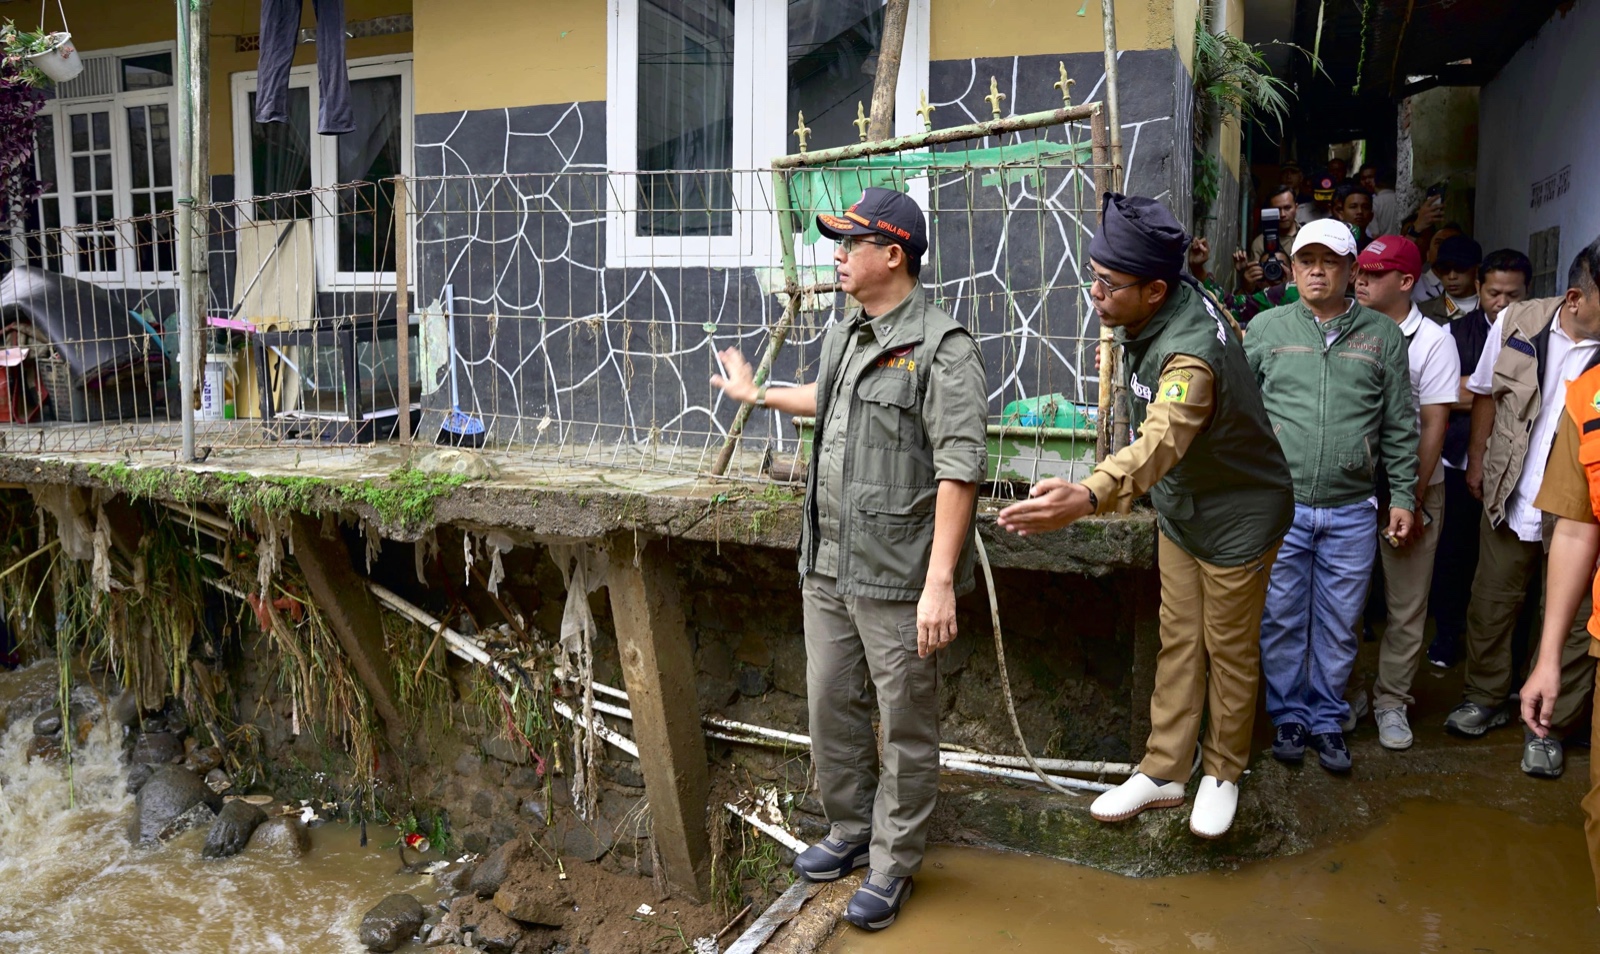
(886, 544)
(1223, 501)
(1337, 384)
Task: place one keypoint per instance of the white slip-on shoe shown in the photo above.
(1214, 805)
(1134, 796)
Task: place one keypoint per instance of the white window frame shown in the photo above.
(116, 104)
(324, 165)
(761, 133)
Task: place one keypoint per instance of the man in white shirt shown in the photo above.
(1385, 202)
(1519, 387)
(1385, 271)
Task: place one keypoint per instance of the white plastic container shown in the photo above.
(61, 62)
(214, 386)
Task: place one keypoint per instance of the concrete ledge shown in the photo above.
(543, 503)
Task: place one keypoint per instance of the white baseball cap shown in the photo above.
(1334, 234)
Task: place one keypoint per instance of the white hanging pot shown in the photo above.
(61, 62)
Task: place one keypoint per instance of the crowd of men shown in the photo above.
(1369, 411)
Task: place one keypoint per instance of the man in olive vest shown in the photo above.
(1534, 348)
(1223, 500)
(886, 543)
(1570, 492)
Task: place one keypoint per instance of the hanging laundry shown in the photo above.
(280, 32)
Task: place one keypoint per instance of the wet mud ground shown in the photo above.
(1446, 847)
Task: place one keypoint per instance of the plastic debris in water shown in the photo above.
(416, 842)
(645, 910)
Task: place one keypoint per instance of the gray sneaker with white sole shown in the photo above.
(1542, 757)
(1394, 730)
(1473, 720)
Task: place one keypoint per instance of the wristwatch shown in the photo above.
(1094, 502)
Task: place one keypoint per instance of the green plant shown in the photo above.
(1233, 81)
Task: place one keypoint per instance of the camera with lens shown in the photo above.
(1271, 268)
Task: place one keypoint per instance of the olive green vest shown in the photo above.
(1230, 498)
(886, 518)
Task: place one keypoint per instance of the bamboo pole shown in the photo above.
(1106, 369)
(888, 75)
(1108, 18)
(935, 137)
(402, 307)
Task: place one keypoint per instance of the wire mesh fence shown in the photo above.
(570, 319)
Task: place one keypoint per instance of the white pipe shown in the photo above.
(463, 646)
(1057, 765)
(202, 517)
(772, 831)
(1021, 775)
(610, 735)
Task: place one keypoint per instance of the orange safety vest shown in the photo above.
(1583, 403)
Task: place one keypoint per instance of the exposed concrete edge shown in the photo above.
(1095, 546)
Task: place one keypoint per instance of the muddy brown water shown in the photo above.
(71, 882)
(1434, 878)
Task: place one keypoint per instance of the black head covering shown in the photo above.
(1140, 237)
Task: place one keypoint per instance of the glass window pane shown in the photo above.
(80, 174)
(80, 132)
(833, 59)
(102, 129)
(685, 116)
(369, 156)
(102, 208)
(146, 72)
(138, 148)
(141, 203)
(102, 172)
(84, 207)
(161, 145)
(280, 158)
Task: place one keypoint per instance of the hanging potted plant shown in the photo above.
(52, 55)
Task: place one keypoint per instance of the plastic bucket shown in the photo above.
(61, 62)
(214, 386)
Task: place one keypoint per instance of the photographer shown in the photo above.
(1284, 200)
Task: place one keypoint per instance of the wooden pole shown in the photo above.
(1107, 367)
(883, 84)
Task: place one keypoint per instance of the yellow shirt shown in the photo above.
(1170, 426)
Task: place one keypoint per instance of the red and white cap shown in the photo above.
(1391, 253)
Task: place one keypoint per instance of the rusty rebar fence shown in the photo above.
(571, 319)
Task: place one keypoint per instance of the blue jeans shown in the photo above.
(1314, 600)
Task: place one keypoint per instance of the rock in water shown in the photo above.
(493, 870)
(47, 723)
(456, 877)
(138, 775)
(283, 835)
(232, 829)
(156, 748)
(391, 923)
(170, 794)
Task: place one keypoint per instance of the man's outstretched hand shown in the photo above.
(1052, 504)
(740, 382)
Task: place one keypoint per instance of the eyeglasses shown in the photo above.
(850, 243)
(1106, 288)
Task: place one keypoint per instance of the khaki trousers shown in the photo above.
(849, 640)
(1210, 621)
(1407, 580)
(1591, 801)
(1505, 565)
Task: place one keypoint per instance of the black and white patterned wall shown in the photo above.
(556, 347)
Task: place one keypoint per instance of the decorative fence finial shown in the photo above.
(801, 130)
(861, 121)
(926, 112)
(1065, 85)
(994, 97)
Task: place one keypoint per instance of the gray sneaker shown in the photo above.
(1542, 757)
(1394, 732)
(1473, 720)
(831, 858)
(1359, 707)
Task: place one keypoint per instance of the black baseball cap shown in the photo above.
(1459, 251)
(883, 212)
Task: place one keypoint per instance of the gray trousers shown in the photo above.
(849, 640)
(280, 33)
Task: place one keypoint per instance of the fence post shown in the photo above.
(1107, 370)
(185, 237)
(402, 309)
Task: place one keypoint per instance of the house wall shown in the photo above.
(1537, 116)
(108, 24)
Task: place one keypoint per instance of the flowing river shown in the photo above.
(70, 881)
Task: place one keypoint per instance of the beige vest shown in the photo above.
(1524, 335)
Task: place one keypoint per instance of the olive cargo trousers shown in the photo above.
(850, 639)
